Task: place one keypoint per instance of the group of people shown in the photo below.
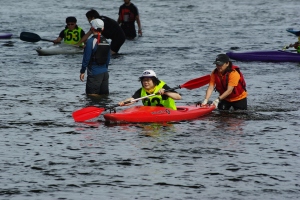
(96, 58)
(117, 31)
(226, 78)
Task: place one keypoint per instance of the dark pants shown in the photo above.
(237, 105)
(97, 84)
(117, 42)
(129, 30)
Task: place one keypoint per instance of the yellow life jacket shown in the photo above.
(72, 37)
(158, 100)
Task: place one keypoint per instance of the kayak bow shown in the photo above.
(265, 56)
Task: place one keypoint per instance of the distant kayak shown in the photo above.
(158, 114)
(59, 49)
(294, 31)
(265, 56)
(5, 35)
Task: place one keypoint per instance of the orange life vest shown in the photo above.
(222, 83)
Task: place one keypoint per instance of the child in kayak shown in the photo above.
(72, 33)
(152, 85)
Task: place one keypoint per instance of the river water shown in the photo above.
(225, 155)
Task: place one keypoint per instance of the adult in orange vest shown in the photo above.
(227, 79)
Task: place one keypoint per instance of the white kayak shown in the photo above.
(59, 49)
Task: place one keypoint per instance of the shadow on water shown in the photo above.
(145, 129)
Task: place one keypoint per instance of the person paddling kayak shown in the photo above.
(71, 34)
(296, 45)
(150, 85)
(229, 82)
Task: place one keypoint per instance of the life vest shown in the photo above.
(100, 55)
(126, 16)
(72, 37)
(158, 100)
(222, 83)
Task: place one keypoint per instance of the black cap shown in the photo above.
(221, 59)
(71, 19)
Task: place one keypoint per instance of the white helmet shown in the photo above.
(97, 23)
(148, 73)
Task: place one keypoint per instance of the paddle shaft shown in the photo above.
(141, 98)
(46, 40)
(145, 97)
(288, 46)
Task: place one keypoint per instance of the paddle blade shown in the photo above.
(196, 83)
(29, 37)
(87, 113)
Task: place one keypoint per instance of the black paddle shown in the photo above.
(32, 37)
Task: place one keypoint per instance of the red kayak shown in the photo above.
(158, 114)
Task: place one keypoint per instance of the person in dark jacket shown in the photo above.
(111, 31)
(95, 60)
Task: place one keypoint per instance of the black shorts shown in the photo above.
(237, 105)
(129, 30)
(117, 42)
(97, 84)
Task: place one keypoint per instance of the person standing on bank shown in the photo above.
(95, 60)
(112, 31)
(151, 85)
(128, 14)
(72, 33)
(229, 82)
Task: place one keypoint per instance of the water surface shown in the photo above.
(226, 155)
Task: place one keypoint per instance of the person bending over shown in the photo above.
(227, 79)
